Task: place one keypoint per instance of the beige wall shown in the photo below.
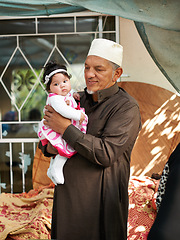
(137, 62)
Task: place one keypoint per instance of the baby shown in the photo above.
(61, 98)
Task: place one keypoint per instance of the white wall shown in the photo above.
(137, 62)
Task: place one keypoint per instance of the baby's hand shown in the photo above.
(76, 96)
(67, 102)
(82, 118)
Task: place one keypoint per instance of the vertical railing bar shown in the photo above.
(19, 115)
(117, 28)
(11, 170)
(34, 148)
(75, 24)
(100, 27)
(22, 161)
(36, 25)
(0, 130)
(55, 40)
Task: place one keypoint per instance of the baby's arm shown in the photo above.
(82, 118)
(76, 96)
(60, 106)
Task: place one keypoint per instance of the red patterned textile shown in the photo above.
(28, 215)
(141, 207)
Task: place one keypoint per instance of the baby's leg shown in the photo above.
(50, 170)
(57, 169)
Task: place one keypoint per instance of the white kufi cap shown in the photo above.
(107, 49)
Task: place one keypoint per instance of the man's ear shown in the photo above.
(117, 74)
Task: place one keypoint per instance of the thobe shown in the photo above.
(93, 202)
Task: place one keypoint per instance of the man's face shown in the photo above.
(98, 73)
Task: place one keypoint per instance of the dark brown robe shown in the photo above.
(93, 202)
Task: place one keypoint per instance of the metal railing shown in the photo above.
(16, 159)
(25, 160)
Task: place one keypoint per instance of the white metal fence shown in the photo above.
(25, 156)
(27, 44)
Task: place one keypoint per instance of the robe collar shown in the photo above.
(102, 94)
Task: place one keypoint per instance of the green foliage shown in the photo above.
(27, 91)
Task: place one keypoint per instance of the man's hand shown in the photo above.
(76, 96)
(55, 121)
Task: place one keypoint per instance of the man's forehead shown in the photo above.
(96, 60)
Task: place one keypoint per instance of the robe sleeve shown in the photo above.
(118, 137)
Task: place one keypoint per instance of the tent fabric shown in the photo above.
(156, 21)
(35, 8)
(164, 47)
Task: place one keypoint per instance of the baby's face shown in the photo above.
(60, 84)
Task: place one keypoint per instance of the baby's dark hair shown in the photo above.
(50, 67)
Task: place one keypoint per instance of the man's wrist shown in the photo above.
(65, 127)
(72, 134)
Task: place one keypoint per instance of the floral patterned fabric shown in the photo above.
(28, 215)
(142, 211)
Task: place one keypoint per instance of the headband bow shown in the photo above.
(47, 77)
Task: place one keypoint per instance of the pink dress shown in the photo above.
(46, 134)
